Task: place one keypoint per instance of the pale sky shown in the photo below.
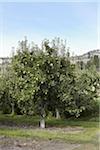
(76, 22)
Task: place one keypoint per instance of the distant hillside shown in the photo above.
(86, 57)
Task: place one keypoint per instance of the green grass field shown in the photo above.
(28, 126)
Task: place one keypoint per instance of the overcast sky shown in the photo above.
(77, 22)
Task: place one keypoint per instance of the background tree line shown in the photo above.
(43, 81)
(94, 62)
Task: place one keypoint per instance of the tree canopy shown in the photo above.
(43, 80)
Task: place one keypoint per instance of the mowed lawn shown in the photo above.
(69, 130)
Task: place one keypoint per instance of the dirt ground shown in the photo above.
(10, 143)
(36, 144)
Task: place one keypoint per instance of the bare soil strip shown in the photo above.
(7, 143)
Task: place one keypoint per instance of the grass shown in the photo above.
(34, 121)
(43, 134)
(87, 135)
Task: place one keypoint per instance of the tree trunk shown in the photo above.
(42, 123)
(12, 109)
(57, 114)
(42, 120)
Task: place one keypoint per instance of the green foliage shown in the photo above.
(4, 94)
(82, 93)
(94, 62)
(40, 80)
